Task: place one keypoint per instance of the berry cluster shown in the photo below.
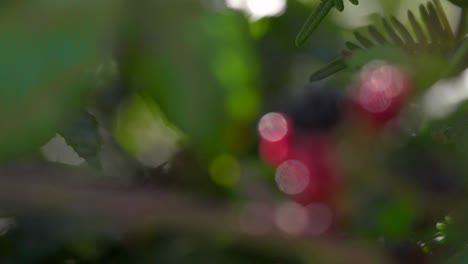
(296, 142)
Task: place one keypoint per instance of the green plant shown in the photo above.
(434, 36)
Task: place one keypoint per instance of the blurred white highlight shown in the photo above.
(57, 150)
(259, 8)
(236, 4)
(444, 97)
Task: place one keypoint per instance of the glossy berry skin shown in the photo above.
(315, 152)
(317, 109)
(275, 133)
(379, 92)
(305, 170)
(274, 153)
(310, 155)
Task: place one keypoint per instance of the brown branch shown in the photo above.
(134, 209)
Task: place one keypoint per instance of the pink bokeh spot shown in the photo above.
(312, 150)
(292, 218)
(379, 85)
(375, 101)
(380, 90)
(292, 177)
(273, 127)
(321, 218)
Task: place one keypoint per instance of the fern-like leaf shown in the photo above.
(331, 68)
(404, 33)
(363, 40)
(339, 5)
(420, 36)
(439, 38)
(318, 14)
(392, 33)
(377, 36)
(313, 21)
(444, 22)
(351, 46)
(432, 26)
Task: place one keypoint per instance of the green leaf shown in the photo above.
(445, 23)
(398, 35)
(140, 128)
(403, 31)
(421, 37)
(352, 46)
(331, 68)
(377, 36)
(48, 50)
(441, 226)
(437, 24)
(339, 5)
(313, 21)
(201, 72)
(432, 25)
(82, 136)
(363, 41)
(391, 32)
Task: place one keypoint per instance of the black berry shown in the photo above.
(317, 109)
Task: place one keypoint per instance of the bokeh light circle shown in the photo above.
(375, 101)
(380, 86)
(273, 127)
(292, 218)
(292, 177)
(321, 218)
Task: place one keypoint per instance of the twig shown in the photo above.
(131, 209)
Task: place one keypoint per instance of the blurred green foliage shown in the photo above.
(201, 72)
(48, 52)
(171, 91)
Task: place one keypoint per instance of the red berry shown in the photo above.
(274, 153)
(380, 91)
(274, 130)
(307, 175)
